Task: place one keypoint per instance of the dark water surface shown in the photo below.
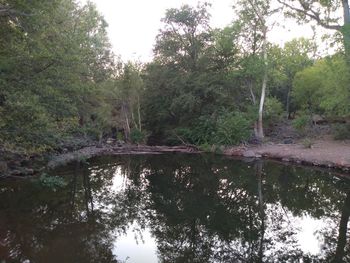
(176, 208)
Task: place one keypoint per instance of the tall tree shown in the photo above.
(259, 11)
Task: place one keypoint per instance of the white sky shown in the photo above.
(134, 24)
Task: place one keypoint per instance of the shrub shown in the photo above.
(232, 128)
(301, 123)
(341, 131)
(137, 136)
(205, 147)
(204, 130)
(273, 110)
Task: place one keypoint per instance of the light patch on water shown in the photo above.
(136, 246)
(119, 180)
(308, 238)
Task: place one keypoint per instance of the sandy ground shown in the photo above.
(323, 152)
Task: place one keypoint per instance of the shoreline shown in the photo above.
(325, 154)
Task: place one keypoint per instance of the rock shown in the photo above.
(317, 119)
(120, 143)
(110, 141)
(255, 141)
(288, 141)
(3, 167)
(249, 154)
(235, 151)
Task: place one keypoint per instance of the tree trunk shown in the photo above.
(126, 122)
(260, 133)
(288, 102)
(345, 30)
(139, 112)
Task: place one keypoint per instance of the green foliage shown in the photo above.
(233, 128)
(55, 73)
(52, 182)
(301, 123)
(273, 110)
(323, 88)
(137, 136)
(341, 131)
(285, 63)
(59, 79)
(205, 147)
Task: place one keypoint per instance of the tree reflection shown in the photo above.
(198, 208)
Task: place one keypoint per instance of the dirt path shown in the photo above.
(324, 153)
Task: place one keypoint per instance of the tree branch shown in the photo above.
(307, 11)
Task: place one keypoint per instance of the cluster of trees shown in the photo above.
(55, 71)
(215, 86)
(60, 80)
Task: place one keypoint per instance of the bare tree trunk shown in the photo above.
(345, 30)
(139, 112)
(288, 102)
(126, 122)
(133, 118)
(260, 132)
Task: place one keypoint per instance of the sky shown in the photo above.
(134, 24)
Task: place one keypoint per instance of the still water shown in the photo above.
(176, 208)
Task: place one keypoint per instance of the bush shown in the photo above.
(341, 131)
(232, 128)
(202, 132)
(137, 136)
(301, 123)
(307, 143)
(273, 110)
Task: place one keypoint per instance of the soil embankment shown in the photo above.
(323, 153)
(93, 151)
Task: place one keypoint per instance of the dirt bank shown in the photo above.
(323, 153)
(92, 151)
(36, 167)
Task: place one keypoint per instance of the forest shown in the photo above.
(62, 85)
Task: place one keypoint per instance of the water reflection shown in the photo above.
(177, 208)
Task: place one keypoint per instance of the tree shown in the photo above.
(185, 36)
(285, 62)
(129, 92)
(55, 61)
(260, 11)
(190, 79)
(325, 14)
(323, 87)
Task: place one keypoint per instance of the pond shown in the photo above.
(176, 208)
